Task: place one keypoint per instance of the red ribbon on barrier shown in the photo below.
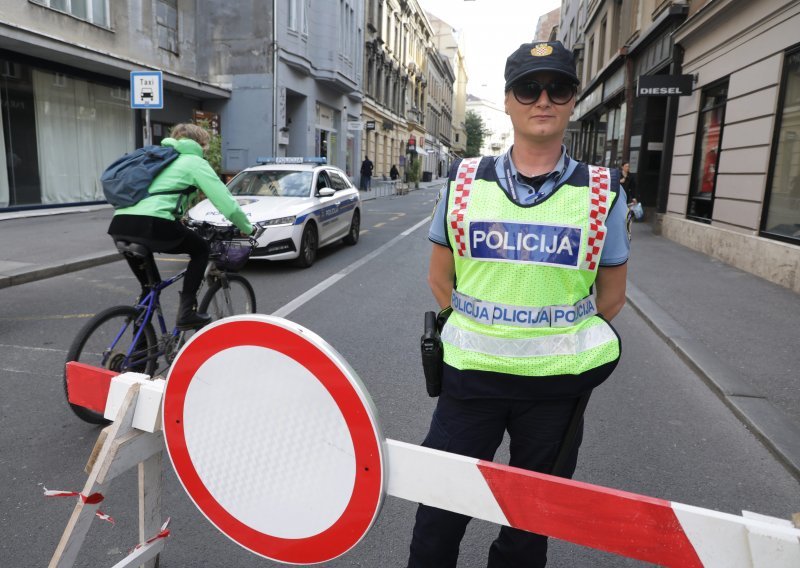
(164, 533)
(92, 499)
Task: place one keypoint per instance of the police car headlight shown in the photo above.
(279, 221)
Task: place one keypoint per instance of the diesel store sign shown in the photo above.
(664, 85)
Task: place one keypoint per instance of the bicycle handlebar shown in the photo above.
(212, 232)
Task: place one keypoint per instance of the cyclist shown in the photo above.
(155, 220)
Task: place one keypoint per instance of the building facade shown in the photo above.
(319, 81)
(734, 188)
(64, 92)
(439, 115)
(447, 42)
(715, 152)
(65, 77)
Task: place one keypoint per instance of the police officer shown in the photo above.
(529, 258)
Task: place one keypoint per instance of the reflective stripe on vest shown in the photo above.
(548, 345)
(492, 313)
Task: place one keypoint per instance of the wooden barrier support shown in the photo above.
(120, 447)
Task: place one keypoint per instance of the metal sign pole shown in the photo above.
(148, 136)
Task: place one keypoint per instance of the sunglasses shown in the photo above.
(529, 92)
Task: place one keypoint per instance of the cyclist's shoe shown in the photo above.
(188, 318)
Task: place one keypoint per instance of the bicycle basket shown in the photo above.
(230, 256)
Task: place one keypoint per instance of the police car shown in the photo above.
(302, 204)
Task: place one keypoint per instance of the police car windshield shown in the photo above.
(283, 183)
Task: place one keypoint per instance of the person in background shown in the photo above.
(628, 181)
(155, 220)
(366, 174)
(394, 173)
(528, 333)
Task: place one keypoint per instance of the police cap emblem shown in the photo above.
(541, 50)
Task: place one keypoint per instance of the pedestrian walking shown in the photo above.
(366, 174)
(628, 182)
(528, 264)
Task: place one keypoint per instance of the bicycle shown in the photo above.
(123, 338)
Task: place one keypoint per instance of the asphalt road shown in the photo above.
(654, 428)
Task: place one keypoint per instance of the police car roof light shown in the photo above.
(292, 160)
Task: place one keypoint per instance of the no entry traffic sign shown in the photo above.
(275, 439)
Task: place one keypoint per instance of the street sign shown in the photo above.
(147, 89)
(370, 125)
(355, 125)
(274, 438)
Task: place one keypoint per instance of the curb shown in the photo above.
(40, 272)
(779, 435)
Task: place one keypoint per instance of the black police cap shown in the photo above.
(549, 56)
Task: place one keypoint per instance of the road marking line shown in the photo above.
(48, 349)
(38, 318)
(376, 225)
(330, 281)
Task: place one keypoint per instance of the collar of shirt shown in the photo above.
(525, 193)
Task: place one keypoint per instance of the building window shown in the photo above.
(782, 217)
(706, 153)
(167, 24)
(297, 16)
(94, 11)
(57, 134)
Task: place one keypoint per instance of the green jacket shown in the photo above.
(189, 169)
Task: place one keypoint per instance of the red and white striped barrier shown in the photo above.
(635, 526)
(250, 362)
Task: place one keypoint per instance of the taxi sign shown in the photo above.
(274, 438)
(147, 89)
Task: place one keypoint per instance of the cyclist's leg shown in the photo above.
(198, 250)
(137, 266)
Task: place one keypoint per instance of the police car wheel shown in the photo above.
(355, 229)
(308, 247)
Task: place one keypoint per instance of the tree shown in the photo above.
(414, 170)
(214, 152)
(476, 132)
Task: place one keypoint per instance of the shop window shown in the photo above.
(167, 24)
(94, 11)
(58, 133)
(782, 208)
(706, 153)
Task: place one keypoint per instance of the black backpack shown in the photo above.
(126, 181)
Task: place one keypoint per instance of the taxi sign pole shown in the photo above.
(148, 137)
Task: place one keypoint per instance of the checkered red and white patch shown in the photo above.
(464, 178)
(599, 202)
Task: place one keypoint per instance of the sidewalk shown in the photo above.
(737, 331)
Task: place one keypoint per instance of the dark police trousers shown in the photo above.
(475, 428)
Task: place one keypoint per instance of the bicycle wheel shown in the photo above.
(104, 342)
(229, 295)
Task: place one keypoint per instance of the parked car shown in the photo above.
(303, 204)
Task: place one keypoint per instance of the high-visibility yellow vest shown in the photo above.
(524, 303)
